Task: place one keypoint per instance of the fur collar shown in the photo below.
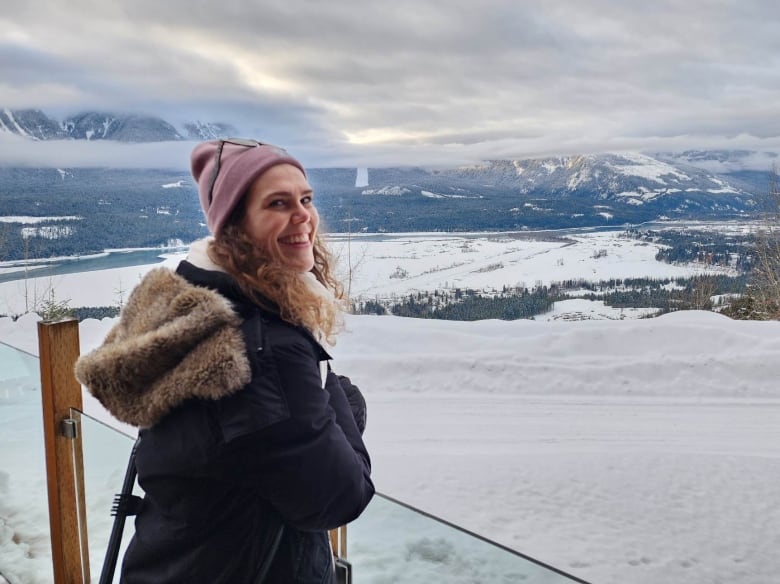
(174, 341)
(198, 255)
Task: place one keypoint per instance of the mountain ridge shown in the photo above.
(34, 124)
(586, 190)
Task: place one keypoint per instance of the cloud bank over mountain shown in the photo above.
(361, 83)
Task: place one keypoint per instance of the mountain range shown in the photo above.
(554, 192)
(121, 127)
(608, 189)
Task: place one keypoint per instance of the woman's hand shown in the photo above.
(356, 401)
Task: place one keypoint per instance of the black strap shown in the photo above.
(125, 505)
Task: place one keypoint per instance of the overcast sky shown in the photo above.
(362, 82)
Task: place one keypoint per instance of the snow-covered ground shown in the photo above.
(428, 262)
(406, 263)
(624, 452)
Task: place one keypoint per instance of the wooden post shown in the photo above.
(338, 541)
(58, 344)
(343, 541)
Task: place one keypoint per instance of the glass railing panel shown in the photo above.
(19, 373)
(25, 539)
(105, 453)
(394, 543)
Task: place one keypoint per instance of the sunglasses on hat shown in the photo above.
(236, 142)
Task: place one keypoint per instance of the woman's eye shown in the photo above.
(276, 203)
(307, 200)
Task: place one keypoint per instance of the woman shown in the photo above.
(250, 447)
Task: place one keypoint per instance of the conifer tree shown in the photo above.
(762, 301)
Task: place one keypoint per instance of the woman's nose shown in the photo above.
(301, 214)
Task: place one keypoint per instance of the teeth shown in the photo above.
(295, 239)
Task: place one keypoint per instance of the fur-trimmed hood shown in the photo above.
(174, 341)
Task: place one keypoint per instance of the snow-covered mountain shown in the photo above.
(121, 127)
(566, 191)
(207, 131)
(628, 178)
(30, 123)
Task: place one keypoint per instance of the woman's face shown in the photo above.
(279, 208)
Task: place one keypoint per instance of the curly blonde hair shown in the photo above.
(268, 283)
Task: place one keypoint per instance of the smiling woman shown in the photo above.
(250, 446)
(259, 205)
(279, 215)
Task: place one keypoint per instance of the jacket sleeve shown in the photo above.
(313, 467)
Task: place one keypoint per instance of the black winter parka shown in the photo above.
(241, 488)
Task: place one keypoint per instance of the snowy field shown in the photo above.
(406, 264)
(400, 264)
(630, 452)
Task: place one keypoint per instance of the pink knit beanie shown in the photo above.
(239, 165)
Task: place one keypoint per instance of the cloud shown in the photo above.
(409, 79)
(18, 151)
